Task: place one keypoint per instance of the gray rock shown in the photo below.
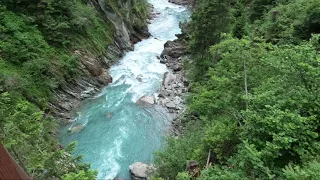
(171, 105)
(168, 78)
(146, 100)
(139, 77)
(163, 60)
(140, 171)
(177, 67)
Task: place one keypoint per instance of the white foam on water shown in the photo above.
(110, 165)
(113, 147)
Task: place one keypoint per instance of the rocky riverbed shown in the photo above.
(172, 94)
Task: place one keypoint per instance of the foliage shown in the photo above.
(183, 176)
(66, 23)
(256, 94)
(208, 22)
(178, 152)
(291, 23)
(27, 133)
(222, 173)
(81, 175)
(309, 170)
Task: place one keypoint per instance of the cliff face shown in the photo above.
(130, 27)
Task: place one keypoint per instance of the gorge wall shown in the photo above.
(129, 19)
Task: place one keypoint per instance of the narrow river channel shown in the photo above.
(118, 132)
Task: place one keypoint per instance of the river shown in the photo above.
(117, 132)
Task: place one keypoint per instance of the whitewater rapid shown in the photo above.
(117, 132)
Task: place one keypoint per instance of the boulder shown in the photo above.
(146, 100)
(168, 78)
(76, 129)
(104, 78)
(177, 67)
(139, 77)
(140, 171)
(171, 105)
(92, 65)
(109, 115)
(173, 49)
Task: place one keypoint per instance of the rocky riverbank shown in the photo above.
(175, 84)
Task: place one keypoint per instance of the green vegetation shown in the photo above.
(137, 12)
(254, 100)
(35, 58)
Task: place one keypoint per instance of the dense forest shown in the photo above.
(37, 41)
(254, 107)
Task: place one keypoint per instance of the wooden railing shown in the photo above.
(9, 168)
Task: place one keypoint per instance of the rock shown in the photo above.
(140, 171)
(177, 67)
(76, 129)
(139, 77)
(163, 60)
(109, 115)
(177, 100)
(104, 78)
(193, 168)
(92, 65)
(168, 78)
(171, 105)
(146, 100)
(173, 49)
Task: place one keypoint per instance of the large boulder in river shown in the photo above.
(146, 100)
(173, 49)
(140, 171)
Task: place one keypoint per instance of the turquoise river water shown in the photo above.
(117, 132)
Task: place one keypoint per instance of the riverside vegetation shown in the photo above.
(253, 106)
(37, 39)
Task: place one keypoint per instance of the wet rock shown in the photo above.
(141, 171)
(104, 78)
(146, 100)
(163, 60)
(76, 129)
(139, 77)
(109, 115)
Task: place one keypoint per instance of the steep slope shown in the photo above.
(53, 54)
